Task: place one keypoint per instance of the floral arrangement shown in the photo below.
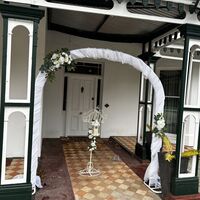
(159, 125)
(93, 132)
(55, 60)
(159, 129)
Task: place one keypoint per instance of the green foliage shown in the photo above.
(55, 60)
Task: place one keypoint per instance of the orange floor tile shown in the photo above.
(127, 142)
(15, 168)
(116, 181)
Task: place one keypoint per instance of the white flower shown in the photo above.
(54, 56)
(69, 62)
(93, 144)
(61, 60)
(66, 58)
(57, 65)
(90, 131)
(90, 136)
(69, 59)
(160, 124)
(55, 62)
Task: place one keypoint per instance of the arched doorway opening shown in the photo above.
(115, 56)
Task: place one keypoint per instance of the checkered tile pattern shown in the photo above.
(127, 142)
(15, 168)
(116, 182)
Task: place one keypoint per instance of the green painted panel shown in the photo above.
(16, 192)
(184, 186)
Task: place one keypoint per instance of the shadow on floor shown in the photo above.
(53, 170)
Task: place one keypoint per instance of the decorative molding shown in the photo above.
(119, 9)
(165, 40)
(14, 11)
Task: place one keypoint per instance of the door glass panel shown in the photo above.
(86, 68)
(19, 63)
(15, 146)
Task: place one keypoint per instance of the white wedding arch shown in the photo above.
(151, 174)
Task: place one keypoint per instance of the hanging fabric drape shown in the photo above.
(115, 56)
(39, 85)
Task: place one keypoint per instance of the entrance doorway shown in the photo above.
(81, 97)
(82, 89)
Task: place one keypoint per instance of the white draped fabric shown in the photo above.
(39, 85)
(152, 170)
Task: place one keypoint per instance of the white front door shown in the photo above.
(81, 97)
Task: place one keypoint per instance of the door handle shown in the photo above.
(80, 113)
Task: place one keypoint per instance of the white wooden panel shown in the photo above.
(189, 139)
(140, 125)
(12, 23)
(9, 111)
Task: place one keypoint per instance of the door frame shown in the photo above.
(96, 78)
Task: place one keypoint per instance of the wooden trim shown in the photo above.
(3, 81)
(96, 35)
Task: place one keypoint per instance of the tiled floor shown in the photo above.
(127, 142)
(15, 167)
(116, 182)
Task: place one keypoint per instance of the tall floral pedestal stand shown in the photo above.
(94, 118)
(90, 170)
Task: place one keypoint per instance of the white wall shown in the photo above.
(120, 89)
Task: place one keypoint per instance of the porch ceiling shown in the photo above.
(115, 28)
(104, 27)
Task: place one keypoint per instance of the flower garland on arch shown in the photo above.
(55, 60)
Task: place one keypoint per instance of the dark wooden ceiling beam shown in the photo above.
(105, 18)
(125, 38)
